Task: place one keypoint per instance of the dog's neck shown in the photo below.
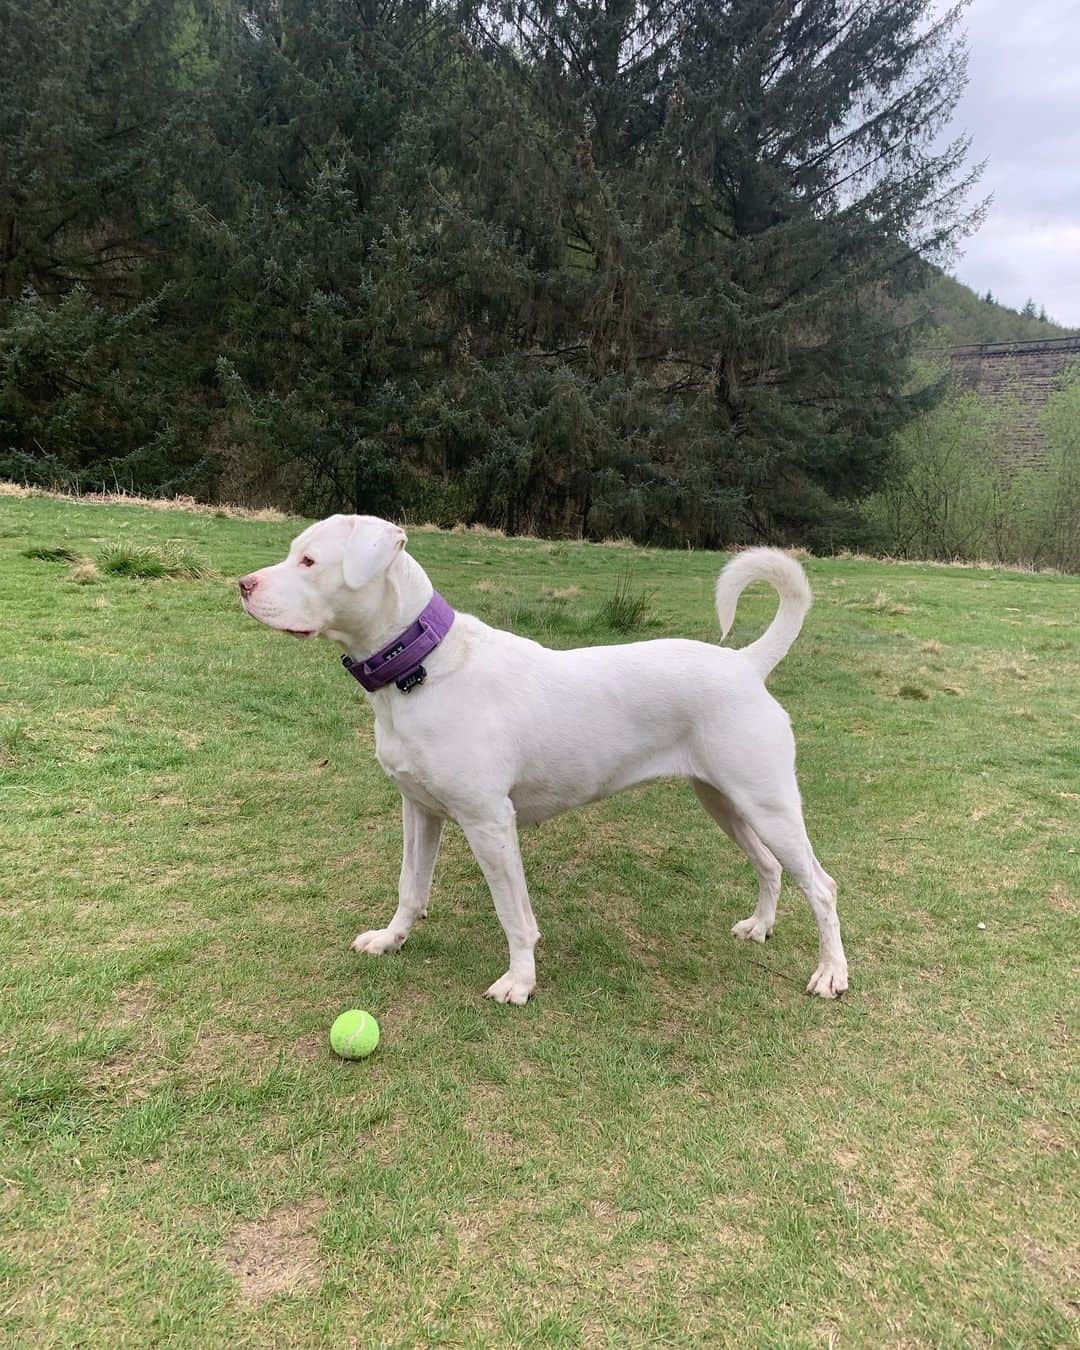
(383, 609)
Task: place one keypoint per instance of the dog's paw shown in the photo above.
(829, 980)
(511, 988)
(378, 941)
(752, 929)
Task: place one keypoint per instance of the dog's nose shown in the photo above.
(248, 584)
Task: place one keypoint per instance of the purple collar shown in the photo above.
(399, 661)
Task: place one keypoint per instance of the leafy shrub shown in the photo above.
(1056, 495)
(941, 496)
(87, 400)
(953, 493)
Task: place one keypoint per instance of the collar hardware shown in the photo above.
(400, 661)
(410, 681)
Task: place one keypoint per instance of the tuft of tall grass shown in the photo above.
(130, 560)
(14, 742)
(626, 609)
(42, 553)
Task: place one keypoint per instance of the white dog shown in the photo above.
(493, 730)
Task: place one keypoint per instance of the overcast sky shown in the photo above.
(1022, 109)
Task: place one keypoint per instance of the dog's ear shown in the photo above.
(371, 547)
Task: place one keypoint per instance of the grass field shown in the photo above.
(672, 1144)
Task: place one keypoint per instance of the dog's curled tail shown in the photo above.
(781, 571)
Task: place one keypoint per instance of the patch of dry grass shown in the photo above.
(85, 573)
(188, 505)
(277, 1254)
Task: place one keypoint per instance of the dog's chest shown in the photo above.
(402, 765)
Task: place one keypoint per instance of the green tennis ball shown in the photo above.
(354, 1034)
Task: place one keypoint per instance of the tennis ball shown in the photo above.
(354, 1034)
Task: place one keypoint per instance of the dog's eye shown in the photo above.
(305, 561)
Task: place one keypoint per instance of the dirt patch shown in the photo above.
(1057, 1273)
(277, 1254)
(482, 1234)
(1060, 897)
(1046, 1136)
(364, 855)
(410, 1006)
(249, 1053)
(132, 1071)
(131, 1006)
(128, 1076)
(485, 1117)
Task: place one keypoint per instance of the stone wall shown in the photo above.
(1023, 374)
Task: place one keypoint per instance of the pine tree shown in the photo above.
(344, 272)
(92, 97)
(745, 191)
(810, 128)
(97, 99)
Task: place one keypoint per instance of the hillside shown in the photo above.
(960, 316)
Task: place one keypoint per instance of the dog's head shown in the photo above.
(333, 571)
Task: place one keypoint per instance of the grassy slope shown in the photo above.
(672, 1142)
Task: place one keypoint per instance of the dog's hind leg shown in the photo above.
(777, 820)
(760, 924)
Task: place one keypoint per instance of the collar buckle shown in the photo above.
(410, 681)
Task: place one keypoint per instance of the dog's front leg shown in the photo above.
(494, 842)
(421, 834)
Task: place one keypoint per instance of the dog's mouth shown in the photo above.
(270, 620)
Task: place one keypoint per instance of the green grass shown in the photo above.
(672, 1144)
